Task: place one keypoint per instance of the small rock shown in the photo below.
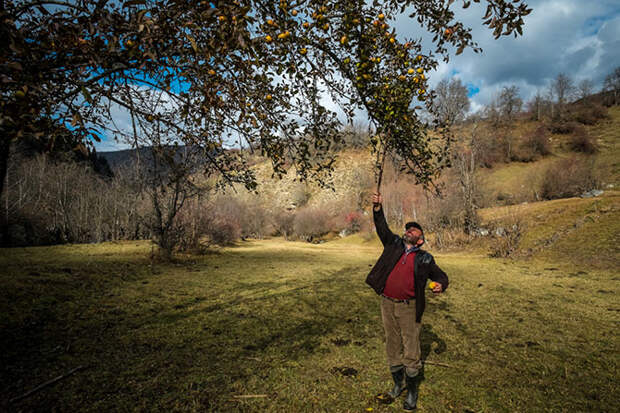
(592, 193)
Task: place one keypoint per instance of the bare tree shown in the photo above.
(562, 88)
(538, 106)
(168, 181)
(54, 200)
(509, 102)
(465, 164)
(451, 102)
(585, 88)
(355, 135)
(612, 85)
(504, 106)
(492, 113)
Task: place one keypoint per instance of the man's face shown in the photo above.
(413, 236)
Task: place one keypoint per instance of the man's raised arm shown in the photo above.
(383, 231)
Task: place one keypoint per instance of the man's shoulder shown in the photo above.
(425, 257)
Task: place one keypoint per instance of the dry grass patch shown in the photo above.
(582, 231)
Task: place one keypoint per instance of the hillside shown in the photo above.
(552, 228)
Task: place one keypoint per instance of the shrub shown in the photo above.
(589, 115)
(283, 223)
(562, 127)
(311, 223)
(448, 238)
(568, 178)
(348, 223)
(492, 148)
(447, 211)
(533, 146)
(506, 238)
(581, 141)
(539, 141)
(300, 195)
(353, 221)
(599, 111)
(223, 231)
(524, 153)
(255, 221)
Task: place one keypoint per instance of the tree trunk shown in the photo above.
(5, 149)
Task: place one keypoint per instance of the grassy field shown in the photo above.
(285, 326)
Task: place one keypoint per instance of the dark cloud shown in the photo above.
(576, 61)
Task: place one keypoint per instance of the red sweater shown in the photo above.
(400, 283)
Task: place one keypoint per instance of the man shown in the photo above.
(400, 276)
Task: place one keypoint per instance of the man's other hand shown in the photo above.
(437, 288)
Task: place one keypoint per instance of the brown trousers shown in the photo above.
(402, 336)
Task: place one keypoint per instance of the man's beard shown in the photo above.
(411, 239)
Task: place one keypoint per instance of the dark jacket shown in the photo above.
(424, 266)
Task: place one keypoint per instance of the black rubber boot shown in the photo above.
(411, 401)
(399, 382)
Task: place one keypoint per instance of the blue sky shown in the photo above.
(578, 38)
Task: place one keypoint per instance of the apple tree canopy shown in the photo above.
(249, 71)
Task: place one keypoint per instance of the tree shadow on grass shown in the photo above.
(148, 353)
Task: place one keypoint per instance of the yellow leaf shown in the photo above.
(193, 42)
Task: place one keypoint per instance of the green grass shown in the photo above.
(279, 318)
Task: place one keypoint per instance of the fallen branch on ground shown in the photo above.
(47, 383)
(249, 396)
(435, 363)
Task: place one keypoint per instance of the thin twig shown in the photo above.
(435, 363)
(250, 396)
(47, 383)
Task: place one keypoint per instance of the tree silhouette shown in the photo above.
(248, 71)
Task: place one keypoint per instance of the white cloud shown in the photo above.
(580, 39)
(122, 123)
